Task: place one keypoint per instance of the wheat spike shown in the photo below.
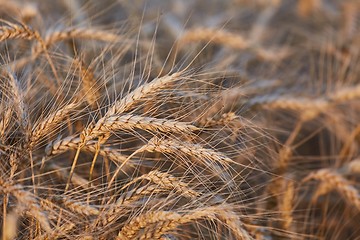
(207, 157)
(286, 204)
(216, 36)
(336, 181)
(13, 31)
(81, 33)
(232, 40)
(29, 202)
(81, 208)
(129, 100)
(127, 198)
(307, 108)
(18, 96)
(165, 221)
(64, 174)
(194, 150)
(46, 125)
(353, 166)
(167, 181)
(4, 122)
(88, 83)
(129, 122)
(62, 145)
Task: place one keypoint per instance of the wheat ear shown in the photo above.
(46, 125)
(88, 83)
(216, 36)
(194, 150)
(81, 33)
(18, 96)
(204, 155)
(307, 108)
(335, 180)
(74, 33)
(13, 31)
(127, 198)
(29, 202)
(62, 173)
(223, 120)
(129, 100)
(4, 122)
(10, 230)
(305, 7)
(129, 121)
(157, 223)
(71, 143)
(353, 166)
(81, 208)
(232, 40)
(286, 204)
(166, 181)
(62, 145)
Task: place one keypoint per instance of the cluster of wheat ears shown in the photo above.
(179, 119)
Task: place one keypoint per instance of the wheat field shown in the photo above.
(150, 119)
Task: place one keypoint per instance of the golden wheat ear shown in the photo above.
(12, 31)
